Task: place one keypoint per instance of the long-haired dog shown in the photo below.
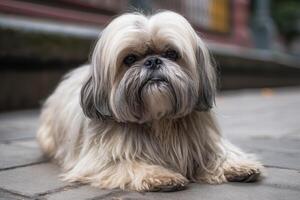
(138, 117)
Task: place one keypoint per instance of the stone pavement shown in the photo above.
(265, 122)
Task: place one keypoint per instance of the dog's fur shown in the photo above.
(115, 125)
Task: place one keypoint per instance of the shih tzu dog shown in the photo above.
(138, 117)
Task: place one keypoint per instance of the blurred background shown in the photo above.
(256, 43)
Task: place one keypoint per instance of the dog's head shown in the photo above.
(147, 68)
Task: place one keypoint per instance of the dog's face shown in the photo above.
(148, 68)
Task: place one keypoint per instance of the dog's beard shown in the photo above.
(143, 95)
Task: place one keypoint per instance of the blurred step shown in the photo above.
(36, 53)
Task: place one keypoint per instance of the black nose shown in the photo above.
(153, 63)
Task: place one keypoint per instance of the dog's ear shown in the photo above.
(94, 101)
(94, 93)
(207, 78)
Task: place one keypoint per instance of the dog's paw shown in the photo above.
(211, 178)
(165, 183)
(243, 173)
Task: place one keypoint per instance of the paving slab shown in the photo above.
(83, 192)
(281, 180)
(214, 192)
(264, 122)
(31, 143)
(18, 125)
(32, 180)
(14, 156)
(269, 144)
(4, 195)
(274, 113)
(273, 152)
(281, 160)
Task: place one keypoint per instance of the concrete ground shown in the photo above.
(265, 122)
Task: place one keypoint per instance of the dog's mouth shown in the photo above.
(154, 80)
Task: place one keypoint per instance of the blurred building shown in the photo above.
(221, 20)
(41, 40)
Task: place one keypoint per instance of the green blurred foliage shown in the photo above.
(286, 14)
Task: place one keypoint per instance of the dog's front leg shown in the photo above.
(232, 165)
(133, 175)
(145, 177)
(240, 166)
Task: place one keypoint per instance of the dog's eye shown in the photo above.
(130, 59)
(171, 54)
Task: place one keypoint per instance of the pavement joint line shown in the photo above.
(105, 196)
(16, 139)
(278, 167)
(25, 165)
(17, 144)
(60, 189)
(285, 187)
(25, 147)
(288, 151)
(15, 193)
(8, 141)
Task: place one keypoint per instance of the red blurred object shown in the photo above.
(97, 13)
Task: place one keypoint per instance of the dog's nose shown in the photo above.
(153, 63)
